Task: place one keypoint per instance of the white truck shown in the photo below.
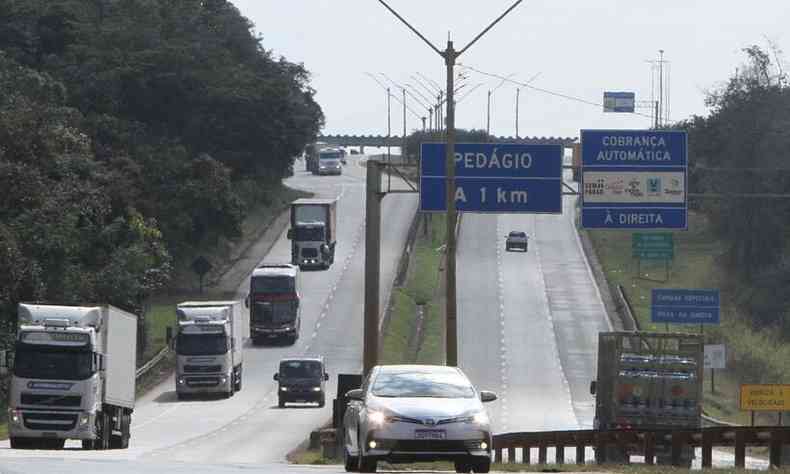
(209, 347)
(73, 377)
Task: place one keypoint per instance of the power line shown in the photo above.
(539, 89)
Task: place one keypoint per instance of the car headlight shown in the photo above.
(316, 389)
(15, 416)
(283, 389)
(377, 418)
(480, 418)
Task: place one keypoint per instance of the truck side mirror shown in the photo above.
(276, 376)
(593, 387)
(290, 234)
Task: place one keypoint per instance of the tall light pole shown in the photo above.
(518, 91)
(450, 55)
(488, 106)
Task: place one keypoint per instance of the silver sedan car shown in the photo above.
(411, 413)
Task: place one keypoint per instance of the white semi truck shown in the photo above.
(73, 377)
(209, 347)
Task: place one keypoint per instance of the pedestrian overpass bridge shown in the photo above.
(382, 141)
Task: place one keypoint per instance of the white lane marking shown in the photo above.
(156, 418)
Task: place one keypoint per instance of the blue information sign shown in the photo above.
(634, 179)
(494, 177)
(619, 102)
(685, 306)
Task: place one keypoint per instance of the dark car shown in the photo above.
(301, 380)
(517, 240)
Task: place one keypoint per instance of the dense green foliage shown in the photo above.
(127, 128)
(741, 149)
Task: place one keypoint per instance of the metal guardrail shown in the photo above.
(627, 310)
(644, 441)
(154, 360)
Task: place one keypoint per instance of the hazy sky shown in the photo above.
(579, 47)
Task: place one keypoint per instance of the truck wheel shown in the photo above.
(322, 402)
(106, 432)
(351, 463)
(87, 444)
(281, 402)
(238, 382)
(54, 444)
(482, 466)
(463, 466)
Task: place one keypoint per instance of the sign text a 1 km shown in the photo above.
(493, 177)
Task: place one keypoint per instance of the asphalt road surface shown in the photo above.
(249, 428)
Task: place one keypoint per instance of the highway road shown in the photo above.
(540, 314)
(249, 428)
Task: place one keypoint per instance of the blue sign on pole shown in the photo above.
(619, 102)
(685, 306)
(493, 177)
(634, 179)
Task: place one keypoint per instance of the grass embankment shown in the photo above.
(415, 330)
(753, 356)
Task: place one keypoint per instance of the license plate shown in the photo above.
(430, 434)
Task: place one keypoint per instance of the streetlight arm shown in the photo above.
(411, 27)
(485, 30)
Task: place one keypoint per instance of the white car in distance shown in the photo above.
(413, 413)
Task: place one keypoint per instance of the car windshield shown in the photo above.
(53, 364)
(445, 384)
(272, 284)
(300, 369)
(518, 234)
(309, 234)
(276, 312)
(201, 344)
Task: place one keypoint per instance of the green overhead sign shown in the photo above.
(653, 246)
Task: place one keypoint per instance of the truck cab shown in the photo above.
(313, 233)
(73, 377)
(274, 303)
(301, 380)
(329, 161)
(208, 348)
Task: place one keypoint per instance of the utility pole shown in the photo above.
(518, 91)
(450, 56)
(423, 123)
(403, 147)
(660, 86)
(373, 196)
(488, 116)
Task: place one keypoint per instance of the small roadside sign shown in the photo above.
(653, 246)
(715, 356)
(765, 397)
(619, 102)
(685, 306)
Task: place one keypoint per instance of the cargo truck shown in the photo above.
(313, 232)
(330, 161)
(274, 303)
(209, 347)
(311, 156)
(648, 381)
(73, 377)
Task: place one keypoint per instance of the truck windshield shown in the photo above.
(329, 156)
(280, 284)
(275, 312)
(310, 234)
(54, 363)
(201, 344)
(300, 369)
